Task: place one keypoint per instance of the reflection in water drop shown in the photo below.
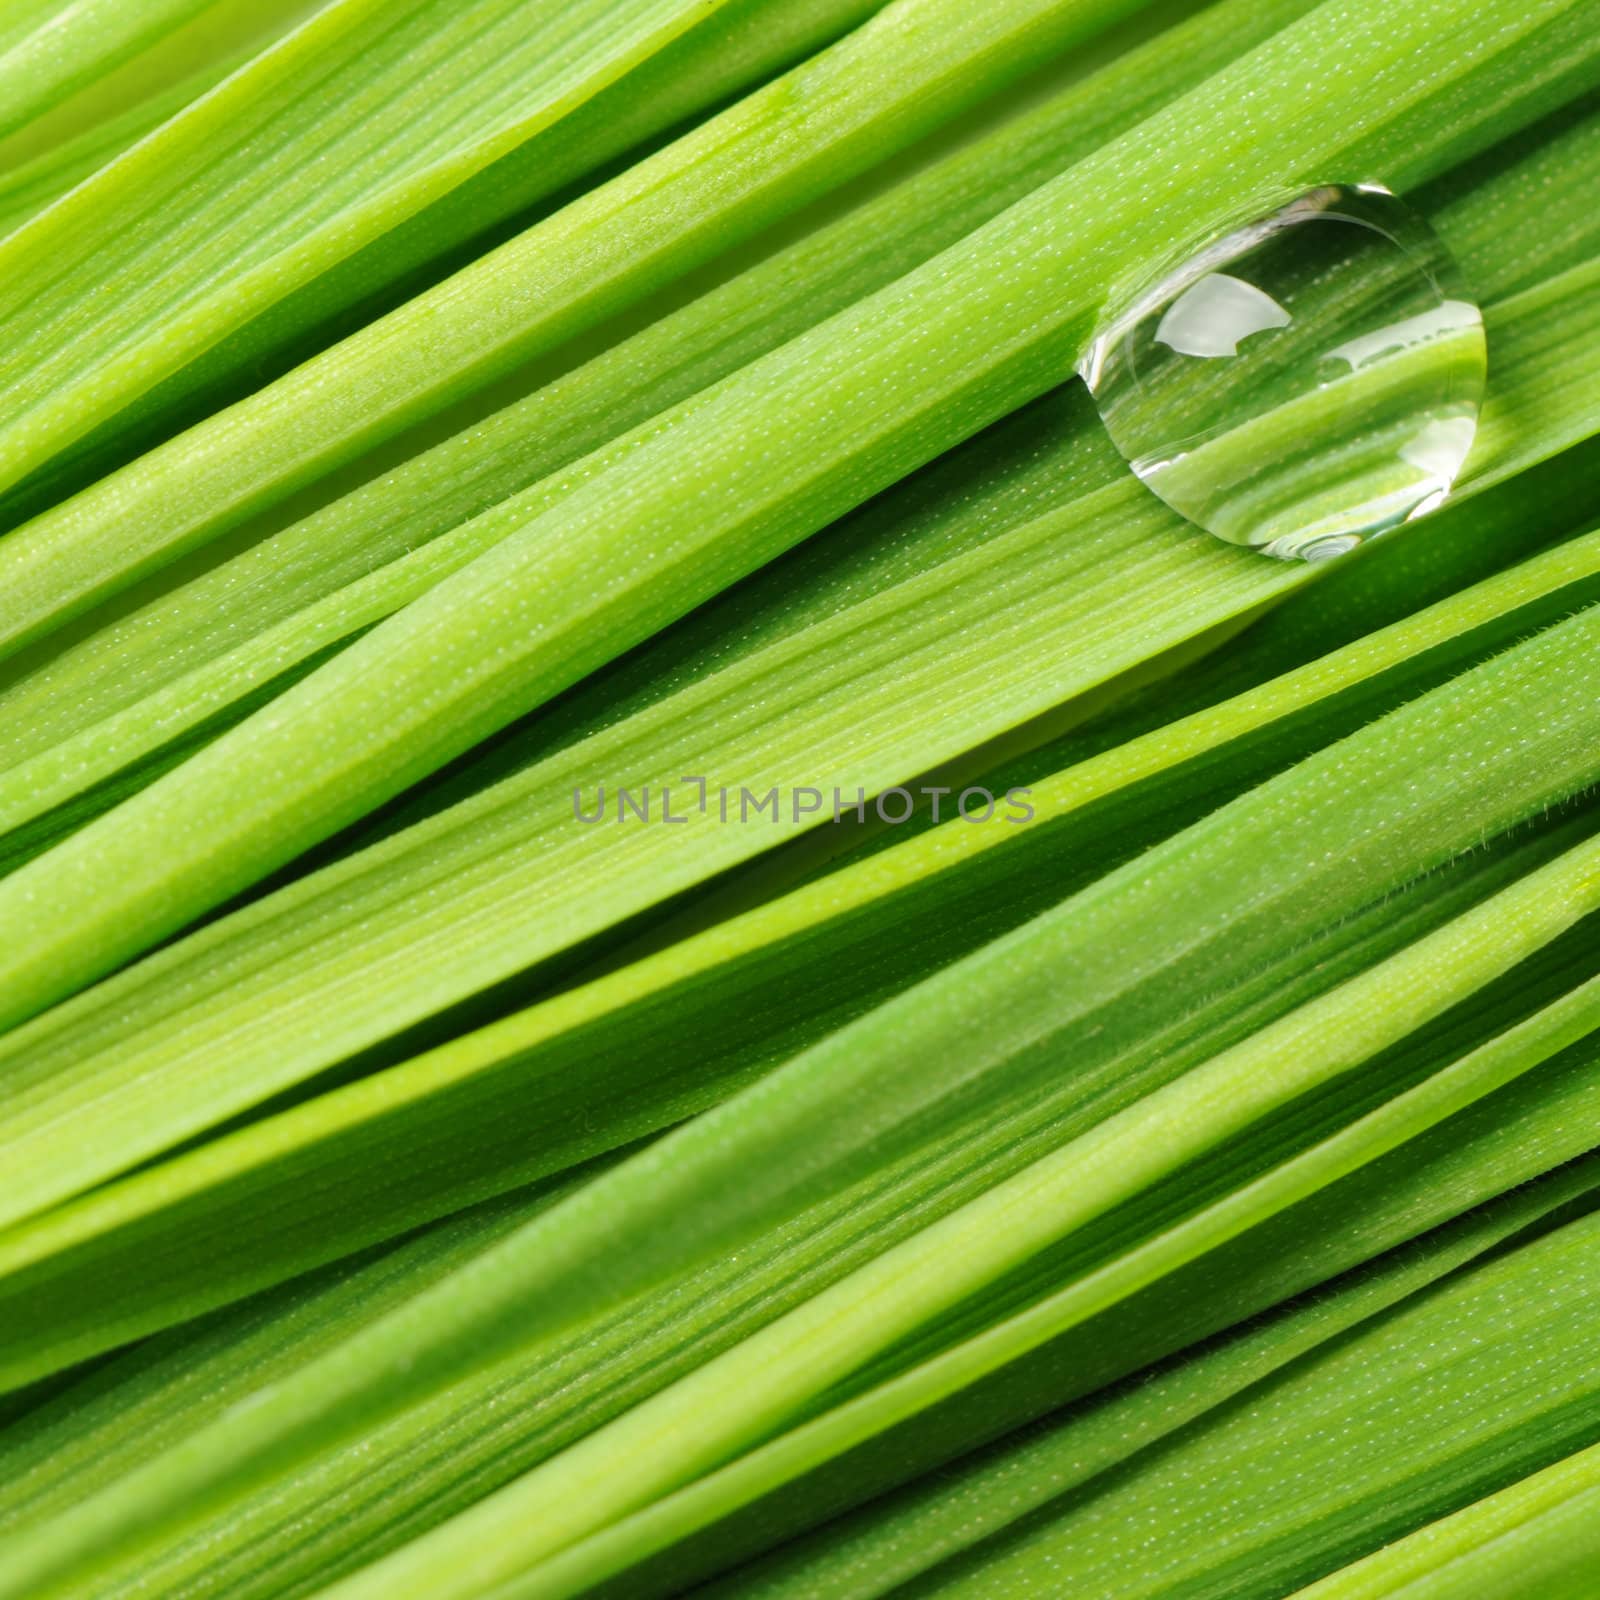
(1305, 382)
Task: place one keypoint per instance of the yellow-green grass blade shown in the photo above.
(248, 617)
(871, 1205)
(68, 1553)
(288, 947)
(1537, 1540)
(186, 658)
(893, 1541)
(48, 52)
(448, 1113)
(310, 1282)
(945, 349)
(910, 69)
(724, 53)
(547, 1090)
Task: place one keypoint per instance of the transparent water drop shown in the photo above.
(1307, 380)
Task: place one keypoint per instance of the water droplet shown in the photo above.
(1307, 380)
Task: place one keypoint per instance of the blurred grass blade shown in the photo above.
(74, 136)
(49, 50)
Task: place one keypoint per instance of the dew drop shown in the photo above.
(1305, 381)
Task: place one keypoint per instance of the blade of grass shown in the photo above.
(571, 589)
(337, 548)
(166, 1389)
(912, 68)
(436, 1110)
(1481, 201)
(713, 1173)
(890, 1543)
(357, 1166)
(725, 53)
(92, 1437)
(549, 792)
(1537, 1540)
(710, 1326)
(817, 1313)
(937, 1336)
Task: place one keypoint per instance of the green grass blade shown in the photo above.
(85, 1440)
(891, 1543)
(1537, 1540)
(1223, 1121)
(354, 1168)
(908, 71)
(722, 54)
(283, 931)
(400, 109)
(571, 590)
(202, 652)
(1486, 1377)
